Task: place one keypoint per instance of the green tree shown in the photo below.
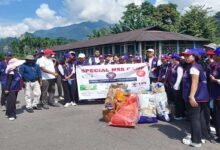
(167, 16)
(28, 44)
(217, 18)
(198, 22)
(136, 17)
(100, 32)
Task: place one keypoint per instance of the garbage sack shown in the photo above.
(128, 114)
(111, 93)
(162, 108)
(147, 109)
(121, 94)
(107, 114)
(158, 87)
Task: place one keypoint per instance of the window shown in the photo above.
(185, 44)
(131, 49)
(108, 49)
(169, 47)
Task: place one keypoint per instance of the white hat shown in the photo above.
(81, 55)
(211, 45)
(13, 63)
(150, 50)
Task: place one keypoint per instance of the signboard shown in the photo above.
(93, 81)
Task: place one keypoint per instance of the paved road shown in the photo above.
(79, 128)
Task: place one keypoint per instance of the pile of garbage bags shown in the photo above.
(123, 108)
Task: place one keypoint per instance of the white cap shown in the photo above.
(150, 50)
(81, 55)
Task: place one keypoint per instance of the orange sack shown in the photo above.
(127, 116)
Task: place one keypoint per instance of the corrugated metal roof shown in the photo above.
(144, 34)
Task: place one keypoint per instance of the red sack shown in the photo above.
(127, 116)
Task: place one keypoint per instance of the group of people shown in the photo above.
(191, 79)
(39, 73)
(192, 83)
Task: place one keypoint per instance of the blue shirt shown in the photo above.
(30, 72)
(3, 66)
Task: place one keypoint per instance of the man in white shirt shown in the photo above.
(94, 60)
(48, 78)
(153, 65)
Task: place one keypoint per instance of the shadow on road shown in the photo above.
(91, 102)
(20, 110)
(174, 130)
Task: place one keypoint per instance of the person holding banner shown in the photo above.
(137, 59)
(123, 59)
(68, 75)
(153, 64)
(108, 59)
(81, 61)
(116, 60)
(94, 60)
(102, 60)
(131, 59)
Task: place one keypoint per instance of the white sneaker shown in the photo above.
(197, 145)
(11, 118)
(187, 141)
(73, 104)
(3, 108)
(212, 129)
(61, 98)
(203, 141)
(67, 105)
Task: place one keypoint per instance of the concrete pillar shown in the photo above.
(194, 44)
(103, 50)
(125, 48)
(160, 48)
(140, 48)
(113, 49)
(177, 46)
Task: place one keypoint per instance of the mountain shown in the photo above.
(4, 43)
(75, 31)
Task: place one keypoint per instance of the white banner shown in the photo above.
(93, 81)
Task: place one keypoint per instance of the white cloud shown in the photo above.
(84, 10)
(184, 4)
(92, 10)
(46, 19)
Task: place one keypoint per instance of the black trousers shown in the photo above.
(169, 92)
(217, 117)
(198, 124)
(3, 100)
(11, 98)
(59, 85)
(69, 91)
(48, 86)
(179, 103)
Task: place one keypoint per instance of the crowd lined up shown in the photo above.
(191, 79)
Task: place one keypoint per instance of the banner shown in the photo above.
(93, 81)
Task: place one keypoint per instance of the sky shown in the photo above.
(20, 16)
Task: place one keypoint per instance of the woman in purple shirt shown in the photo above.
(196, 96)
(215, 91)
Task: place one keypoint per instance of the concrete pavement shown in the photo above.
(80, 128)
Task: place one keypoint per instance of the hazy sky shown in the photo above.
(19, 16)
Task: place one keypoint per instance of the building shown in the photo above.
(135, 42)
